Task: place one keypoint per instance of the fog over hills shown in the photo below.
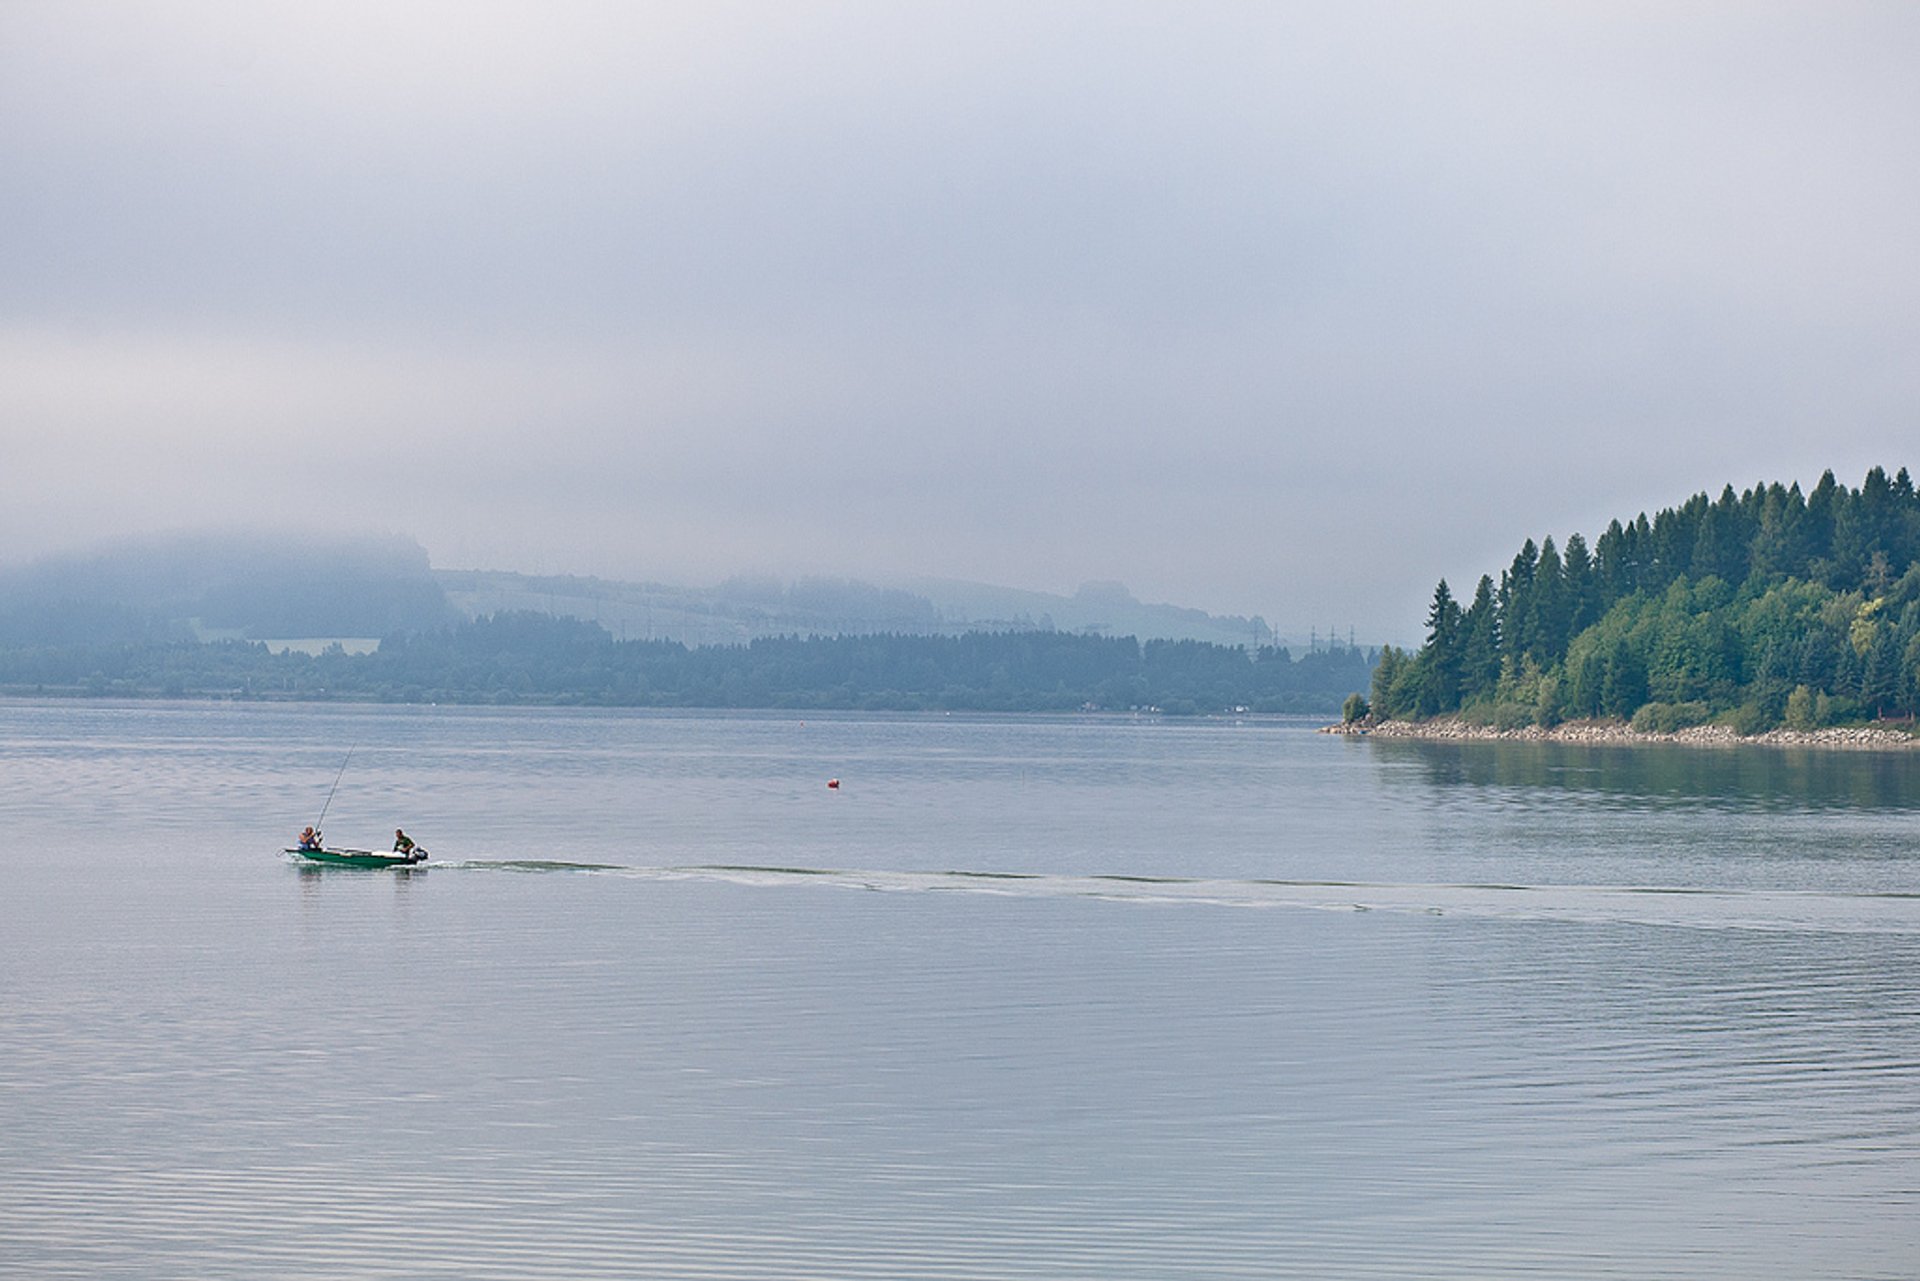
(743, 608)
(223, 585)
(304, 587)
(1278, 307)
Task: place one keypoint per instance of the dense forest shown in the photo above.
(1758, 609)
(523, 657)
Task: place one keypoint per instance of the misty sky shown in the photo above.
(1255, 307)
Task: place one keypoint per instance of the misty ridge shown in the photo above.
(206, 586)
(746, 607)
(240, 586)
(228, 615)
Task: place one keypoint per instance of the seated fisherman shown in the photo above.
(402, 843)
(309, 839)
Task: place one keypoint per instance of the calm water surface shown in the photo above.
(1023, 998)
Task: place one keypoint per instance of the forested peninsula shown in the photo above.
(1759, 611)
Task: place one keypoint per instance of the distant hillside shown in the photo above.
(1098, 609)
(223, 585)
(748, 608)
(368, 618)
(736, 611)
(532, 658)
(315, 589)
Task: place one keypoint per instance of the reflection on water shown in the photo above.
(1026, 999)
(1639, 774)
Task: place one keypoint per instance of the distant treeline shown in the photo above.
(1763, 608)
(524, 657)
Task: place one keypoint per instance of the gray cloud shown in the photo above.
(1261, 308)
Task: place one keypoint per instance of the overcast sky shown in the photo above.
(1288, 309)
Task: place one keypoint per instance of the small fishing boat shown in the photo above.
(405, 853)
(361, 858)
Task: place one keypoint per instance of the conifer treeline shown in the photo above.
(1757, 608)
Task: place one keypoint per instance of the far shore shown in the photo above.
(1611, 732)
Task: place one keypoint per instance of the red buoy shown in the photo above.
(833, 784)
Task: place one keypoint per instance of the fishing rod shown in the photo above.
(333, 789)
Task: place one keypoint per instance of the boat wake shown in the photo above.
(1679, 906)
(535, 865)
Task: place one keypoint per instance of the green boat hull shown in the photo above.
(360, 858)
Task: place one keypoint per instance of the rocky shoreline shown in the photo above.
(1453, 729)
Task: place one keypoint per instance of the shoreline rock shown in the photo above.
(1617, 733)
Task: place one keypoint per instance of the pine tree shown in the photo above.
(1440, 660)
(1880, 674)
(1779, 544)
(1516, 601)
(1720, 542)
(1583, 603)
(1610, 566)
(1818, 541)
(1480, 644)
(1548, 611)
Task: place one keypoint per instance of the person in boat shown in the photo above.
(310, 839)
(402, 843)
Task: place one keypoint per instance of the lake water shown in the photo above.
(1088, 998)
